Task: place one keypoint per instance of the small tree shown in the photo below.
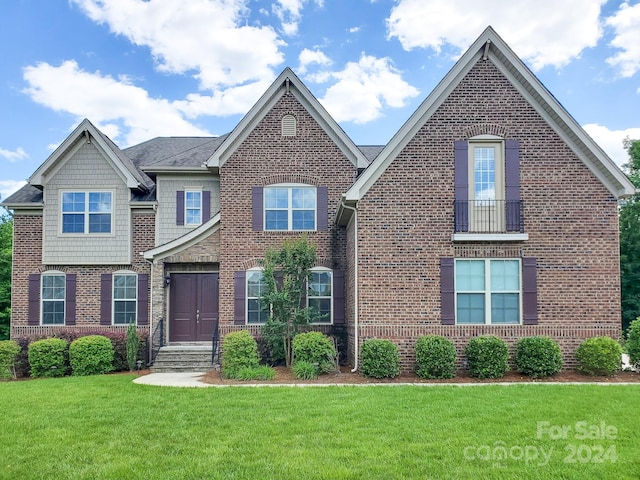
(133, 343)
(285, 274)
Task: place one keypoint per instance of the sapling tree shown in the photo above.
(285, 273)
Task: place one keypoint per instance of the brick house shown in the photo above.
(490, 211)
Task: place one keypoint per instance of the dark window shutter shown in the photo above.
(206, 206)
(34, 299)
(529, 291)
(180, 207)
(105, 299)
(338, 297)
(256, 208)
(239, 298)
(447, 291)
(461, 182)
(512, 185)
(70, 299)
(143, 299)
(322, 197)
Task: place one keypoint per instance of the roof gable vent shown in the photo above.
(288, 126)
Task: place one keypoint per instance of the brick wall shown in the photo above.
(405, 225)
(27, 260)
(266, 157)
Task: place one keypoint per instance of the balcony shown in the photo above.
(486, 220)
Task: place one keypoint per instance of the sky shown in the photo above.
(141, 69)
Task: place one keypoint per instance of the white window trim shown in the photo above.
(128, 273)
(86, 213)
(53, 273)
(487, 291)
(323, 269)
(186, 209)
(290, 209)
(247, 297)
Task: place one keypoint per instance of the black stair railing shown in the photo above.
(156, 341)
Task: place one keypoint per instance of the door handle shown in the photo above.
(197, 316)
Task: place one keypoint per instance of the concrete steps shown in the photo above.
(183, 358)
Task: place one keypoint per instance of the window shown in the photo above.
(255, 289)
(290, 208)
(193, 207)
(86, 212)
(125, 298)
(53, 298)
(487, 291)
(486, 192)
(319, 295)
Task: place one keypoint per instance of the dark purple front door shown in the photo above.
(193, 309)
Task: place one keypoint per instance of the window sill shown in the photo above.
(490, 237)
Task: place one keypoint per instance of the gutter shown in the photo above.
(355, 290)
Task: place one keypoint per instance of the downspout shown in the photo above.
(355, 290)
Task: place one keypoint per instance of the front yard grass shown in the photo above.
(106, 427)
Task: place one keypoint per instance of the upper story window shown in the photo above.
(255, 289)
(488, 291)
(193, 207)
(486, 186)
(290, 207)
(53, 294)
(320, 294)
(125, 298)
(87, 212)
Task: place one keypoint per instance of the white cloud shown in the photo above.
(309, 57)
(363, 87)
(113, 105)
(541, 32)
(9, 187)
(208, 37)
(19, 154)
(626, 24)
(611, 140)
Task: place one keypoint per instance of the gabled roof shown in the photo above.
(27, 196)
(185, 241)
(287, 81)
(490, 45)
(133, 177)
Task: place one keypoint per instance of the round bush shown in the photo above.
(239, 350)
(91, 355)
(633, 343)
(380, 359)
(435, 357)
(9, 351)
(314, 347)
(538, 356)
(599, 356)
(49, 357)
(487, 357)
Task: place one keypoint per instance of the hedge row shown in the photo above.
(118, 340)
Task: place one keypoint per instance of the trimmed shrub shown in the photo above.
(132, 346)
(261, 372)
(633, 342)
(599, 356)
(314, 347)
(9, 351)
(305, 370)
(487, 357)
(239, 350)
(272, 351)
(380, 359)
(435, 357)
(91, 355)
(538, 356)
(49, 357)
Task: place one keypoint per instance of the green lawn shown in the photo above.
(108, 427)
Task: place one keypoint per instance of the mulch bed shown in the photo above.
(284, 376)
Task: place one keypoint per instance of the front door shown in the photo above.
(193, 310)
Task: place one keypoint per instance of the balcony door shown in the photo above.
(486, 187)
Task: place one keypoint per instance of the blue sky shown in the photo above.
(140, 69)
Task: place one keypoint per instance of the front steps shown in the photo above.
(183, 358)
